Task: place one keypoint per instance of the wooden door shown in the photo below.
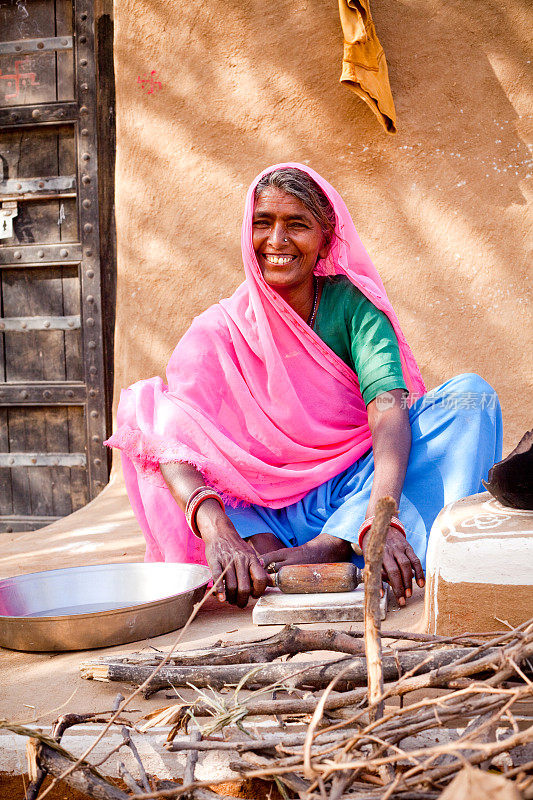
(52, 395)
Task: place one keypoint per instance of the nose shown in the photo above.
(277, 236)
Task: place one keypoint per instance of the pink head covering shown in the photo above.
(255, 399)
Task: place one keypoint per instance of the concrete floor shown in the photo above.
(44, 685)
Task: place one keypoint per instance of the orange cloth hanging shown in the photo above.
(364, 67)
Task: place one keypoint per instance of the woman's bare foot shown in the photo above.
(265, 543)
(324, 549)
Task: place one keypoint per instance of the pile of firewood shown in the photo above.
(348, 727)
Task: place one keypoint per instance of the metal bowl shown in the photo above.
(80, 608)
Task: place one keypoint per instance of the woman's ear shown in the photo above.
(326, 247)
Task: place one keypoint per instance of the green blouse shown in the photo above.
(361, 335)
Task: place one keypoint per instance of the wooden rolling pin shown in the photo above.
(311, 578)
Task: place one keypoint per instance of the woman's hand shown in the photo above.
(245, 576)
(323, 549)
(224, 547)
(399, 564)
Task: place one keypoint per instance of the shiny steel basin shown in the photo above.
(81, 608)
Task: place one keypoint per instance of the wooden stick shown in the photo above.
(192, 758)
(128, 779)
(128, 741)
(58, 729)
(35, 772)
(290, 641)
(243, 745)
(83, 778)
(385, 508)
(34, 786)
(291, 779)
(317, 674)
(317, 716)
(198, 794)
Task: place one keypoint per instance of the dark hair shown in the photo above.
(302, 186)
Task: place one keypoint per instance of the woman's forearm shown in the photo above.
(182, 479)
(391, 445)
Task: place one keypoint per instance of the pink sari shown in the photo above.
(255, 399)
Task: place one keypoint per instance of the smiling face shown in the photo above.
(287, 239)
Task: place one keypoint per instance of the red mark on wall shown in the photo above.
(18, 79)
(149, 82)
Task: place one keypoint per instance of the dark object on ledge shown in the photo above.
(511, 480)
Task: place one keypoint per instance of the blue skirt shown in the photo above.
(456, 438)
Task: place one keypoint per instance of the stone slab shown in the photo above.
(276, 608)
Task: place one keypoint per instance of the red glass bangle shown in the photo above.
(365, 527)
(395, 523)
(195, 501)
(195, 493)
(367, 524)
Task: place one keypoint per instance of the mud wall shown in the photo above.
(209, 93)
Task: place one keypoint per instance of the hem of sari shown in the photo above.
(146, 456)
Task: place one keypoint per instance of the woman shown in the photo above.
(295, 404)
